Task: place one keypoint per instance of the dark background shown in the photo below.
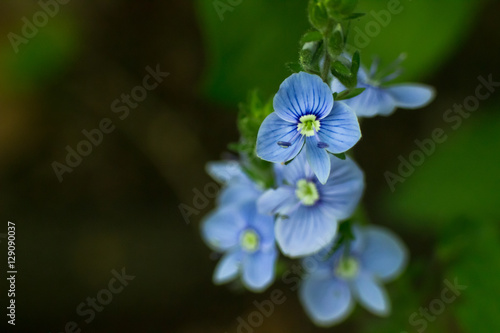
(120, 207)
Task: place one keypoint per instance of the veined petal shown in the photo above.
(221, 228)
(273, 130)
(342, 192)
(297, 169)
(340, 130)
(371, 295)
(258, 269)
(277, 201)
(302, 94)
(411, 95)
(384, 254)
(318, 159)
(304, 232)
(227, 268)
(372, 102)
(327, 301)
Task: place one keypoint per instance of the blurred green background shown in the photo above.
(120, 206)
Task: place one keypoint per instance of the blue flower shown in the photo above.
(308, 211)
(238, 187)
(304, 113)
(247, 240)
(380, 99)
(328, 291)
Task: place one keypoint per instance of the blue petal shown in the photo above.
(384, 254)
(372, 102)
(371, 295)
(258, 269)
(342, 193)
(238, 192)
(224, 171)
(318, 159)
(262, 224)
(326, 301)
(221, 228)
(340, 130)
(411, 96)
(273, 130)
(227, 268)
(304, 232)
(302, 94)
(278, 201)
(297, 169)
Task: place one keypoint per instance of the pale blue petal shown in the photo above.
(372, 102)
(371, 295)
(304, 232)
(273, 130)
(411, 96)
(384, 254)
(221, 228)
(258, 269)
(227, 268)
(237, 193)
(278, 201)
(342, 193)
(337, 87)
(340, 130)
(262, 224)
(224, 171)
(297, 169)
(326, 301)
(318, 159)
(302, 94)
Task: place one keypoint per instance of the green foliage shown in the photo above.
(470, 250)
(318, 15)
(249, 48)
(450, 183)
(408, 24)
(250, 117)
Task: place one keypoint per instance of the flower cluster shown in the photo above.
(295, 191)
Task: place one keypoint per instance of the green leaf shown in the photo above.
(336, 43)
(294, 67)
(311, 36)
(354, 16)
(349, 93)
(356, 62)
(318, 15)
(342, 156)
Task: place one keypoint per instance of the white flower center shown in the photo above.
(347, 268)
(249, 241)
(308, 125)
(307, 192)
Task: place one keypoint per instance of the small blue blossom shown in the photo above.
(305, 113)
(247, 240)
(308, 212)
(381, 99)
(330, 287)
